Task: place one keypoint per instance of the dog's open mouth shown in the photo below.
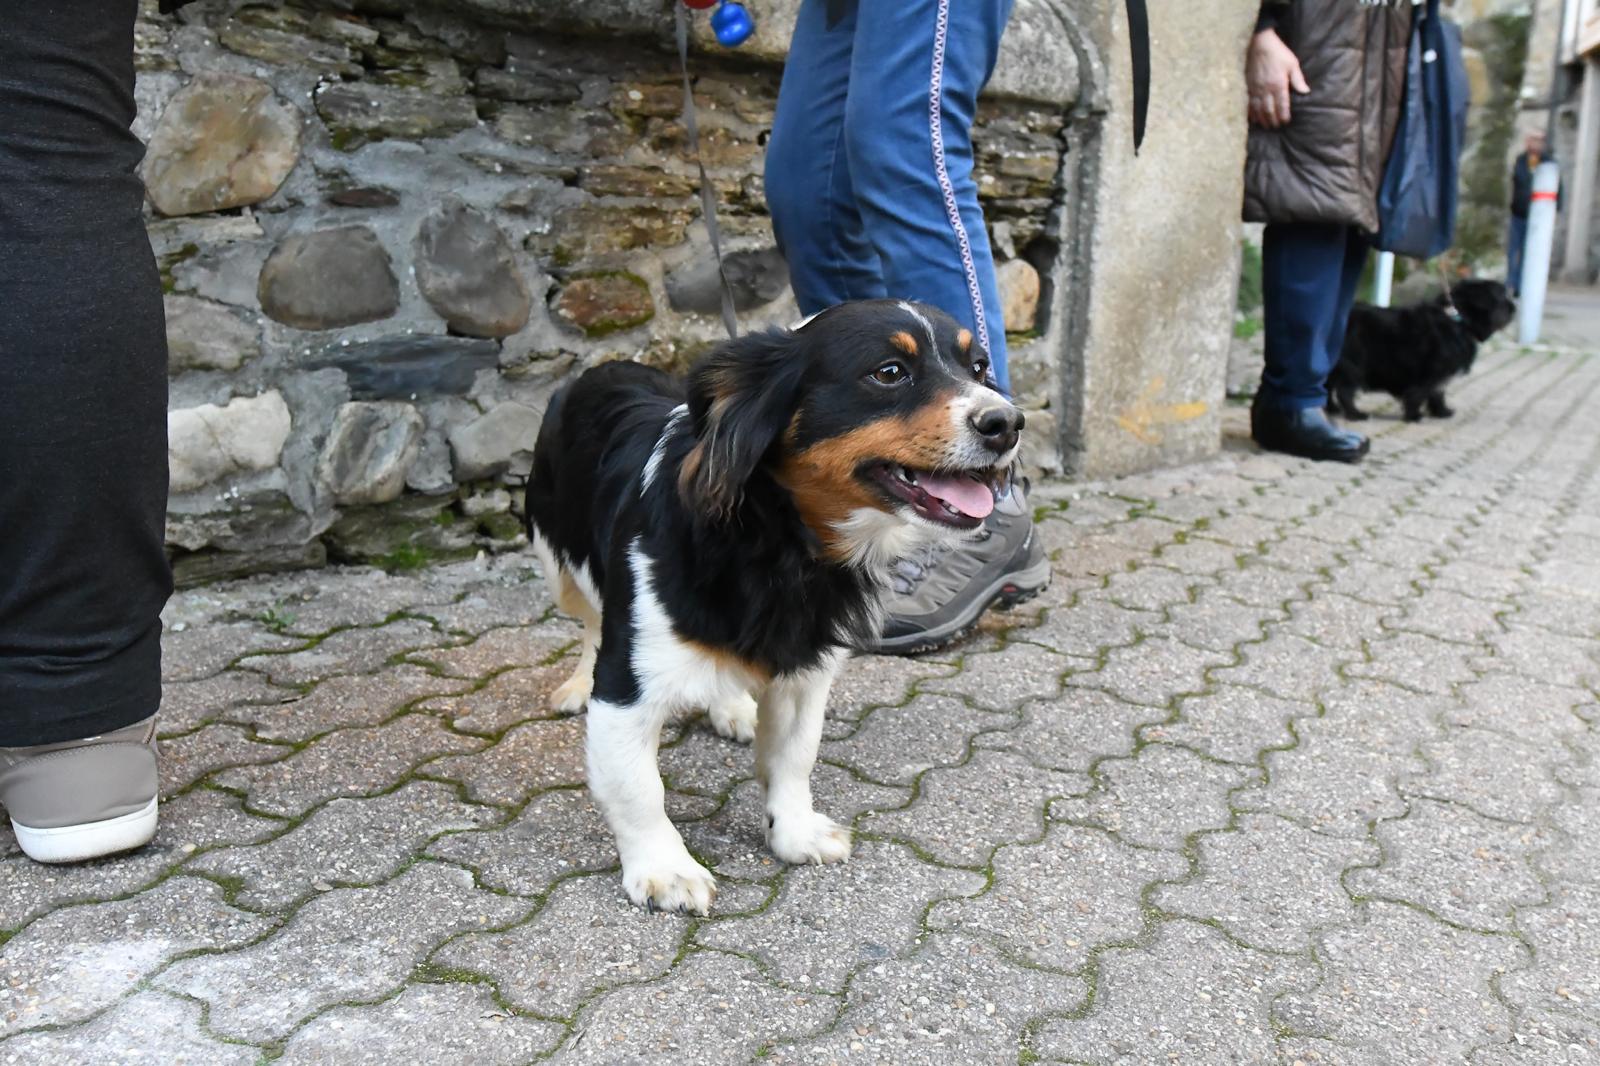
(961, 499)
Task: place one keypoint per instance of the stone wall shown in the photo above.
(389, 229)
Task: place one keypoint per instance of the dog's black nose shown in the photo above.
(998, 424)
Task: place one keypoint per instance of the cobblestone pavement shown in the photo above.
(1292, 764)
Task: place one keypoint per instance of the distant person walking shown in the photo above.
(1534, 152)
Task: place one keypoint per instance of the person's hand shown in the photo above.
(1270, 71)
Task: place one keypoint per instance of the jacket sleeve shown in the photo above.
(1272, 11)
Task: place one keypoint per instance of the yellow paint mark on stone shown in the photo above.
(1145, 416)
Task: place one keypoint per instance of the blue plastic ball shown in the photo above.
(732, 24)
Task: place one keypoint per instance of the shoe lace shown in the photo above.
(912, 570)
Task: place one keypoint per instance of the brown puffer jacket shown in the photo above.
(1326, 165)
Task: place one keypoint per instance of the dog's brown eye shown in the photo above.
(893, 373)
(980, 369)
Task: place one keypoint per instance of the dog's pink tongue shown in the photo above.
(965, 494)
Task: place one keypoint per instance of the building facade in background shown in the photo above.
(1561, 94)
(1580, 54)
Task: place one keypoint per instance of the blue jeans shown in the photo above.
(1516, 238)
(869, 168)
(1309, 274)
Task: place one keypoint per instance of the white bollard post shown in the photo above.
(1536, 250)
(1383, 284)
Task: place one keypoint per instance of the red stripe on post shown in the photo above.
(1544, 196)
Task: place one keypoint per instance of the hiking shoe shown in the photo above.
(937, 597)
(82, 799)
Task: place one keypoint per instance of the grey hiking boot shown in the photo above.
(82, 799)
(938, 597)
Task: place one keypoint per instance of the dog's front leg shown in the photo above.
(788, 731)
(625, 780)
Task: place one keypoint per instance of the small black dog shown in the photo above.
(1410, 352)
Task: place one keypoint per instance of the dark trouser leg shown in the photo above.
(814, 212)
(1309, 278)
(83, 469)
(1516, 238)
(1355, 258)
(911, 158)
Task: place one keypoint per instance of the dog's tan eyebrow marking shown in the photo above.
(964, 338)
(904, 341)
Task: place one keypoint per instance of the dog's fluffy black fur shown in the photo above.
(1412, 352)
(732, 534)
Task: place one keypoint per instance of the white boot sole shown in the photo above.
(91, 840)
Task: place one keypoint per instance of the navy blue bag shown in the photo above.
(1421, 182)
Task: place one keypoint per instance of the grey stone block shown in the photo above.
(468, 273)
(1190, 992)
(223, 141)
(346, 842)
(586, 938)
(369, 451)
(1458, 865)
(347, 944)
(328, 278)
(73, 963)
(829, 922)
(459, 1025)
(713, 1007)
(1427, 1000)
(757, 277)
(1056, 900)
(1272, 884)
(558, 834)
(500, 440)
(961, 814)
(202, 335)
(143, 1020)
(349, 762)
(409, 367)
(1157, 797)
(956, 998)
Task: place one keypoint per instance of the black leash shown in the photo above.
(708, 201)
(1138, 44)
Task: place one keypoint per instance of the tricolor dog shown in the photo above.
(731, 537)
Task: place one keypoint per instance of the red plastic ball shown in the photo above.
(699, 5)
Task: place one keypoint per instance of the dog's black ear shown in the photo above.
(742, 397)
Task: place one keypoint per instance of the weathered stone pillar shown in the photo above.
(1152, 290)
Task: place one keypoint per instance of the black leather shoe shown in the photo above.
(1306, 433)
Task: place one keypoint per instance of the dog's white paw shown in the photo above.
(572, 695)
(735, 718)
(808, 837)
(670, 883)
